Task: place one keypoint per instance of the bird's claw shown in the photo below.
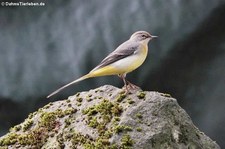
(131, 88)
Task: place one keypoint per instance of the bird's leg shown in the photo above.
(128, 86)
(123, 77)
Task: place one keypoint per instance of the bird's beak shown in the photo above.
(154, 36)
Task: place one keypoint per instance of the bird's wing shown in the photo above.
(124, 50)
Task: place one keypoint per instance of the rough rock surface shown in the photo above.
(107, 118)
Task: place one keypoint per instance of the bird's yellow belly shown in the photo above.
(104, 71)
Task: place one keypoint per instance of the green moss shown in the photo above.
(102, 142)
(15, 128)
(93, 122)
(89, 99)
(89, 95)
(80, 99)
(122, 128)
(88, 146)
(78, 104)
(48, 120)
(69, 111)
(60, 140)
(165, 95)
(9, 139)
(40, 110)
(104, 107)
(31, 115)
(116, 119)
(68, 135)
(114, 146)
(39, 136)
(26, 139)
(116, 109)
(108, 134)
(138, 115)
(126, 141)
(140, 121)
(108, 109)
(120, 97)
(35, 138)
(27, 124)
(101, 128)
(77, 94)
(99, 143)
(67, 122)
(90, 111)
(59, 113)
(130, 101)
(99, 116)
(46, 106)
(78, 138)
(139, 129)
(141, 95)
(100, 97)
(98, 90)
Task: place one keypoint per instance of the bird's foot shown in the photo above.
(131, 88)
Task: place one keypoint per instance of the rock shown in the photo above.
(106, 117)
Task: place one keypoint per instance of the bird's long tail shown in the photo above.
(73, 82)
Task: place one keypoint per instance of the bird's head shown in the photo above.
(142, 36)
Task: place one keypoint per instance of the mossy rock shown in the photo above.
(106, 117)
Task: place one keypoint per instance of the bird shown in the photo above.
(124, 59)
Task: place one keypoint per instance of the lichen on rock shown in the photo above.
(106, 117)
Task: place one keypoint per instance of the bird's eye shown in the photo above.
(143, 36)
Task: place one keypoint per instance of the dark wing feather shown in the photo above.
(120, 53)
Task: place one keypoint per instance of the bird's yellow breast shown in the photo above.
(138, 59)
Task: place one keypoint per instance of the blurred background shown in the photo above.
(43, 48)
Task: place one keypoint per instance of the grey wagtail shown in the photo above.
(127, 57)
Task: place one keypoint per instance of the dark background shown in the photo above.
(42, 48)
